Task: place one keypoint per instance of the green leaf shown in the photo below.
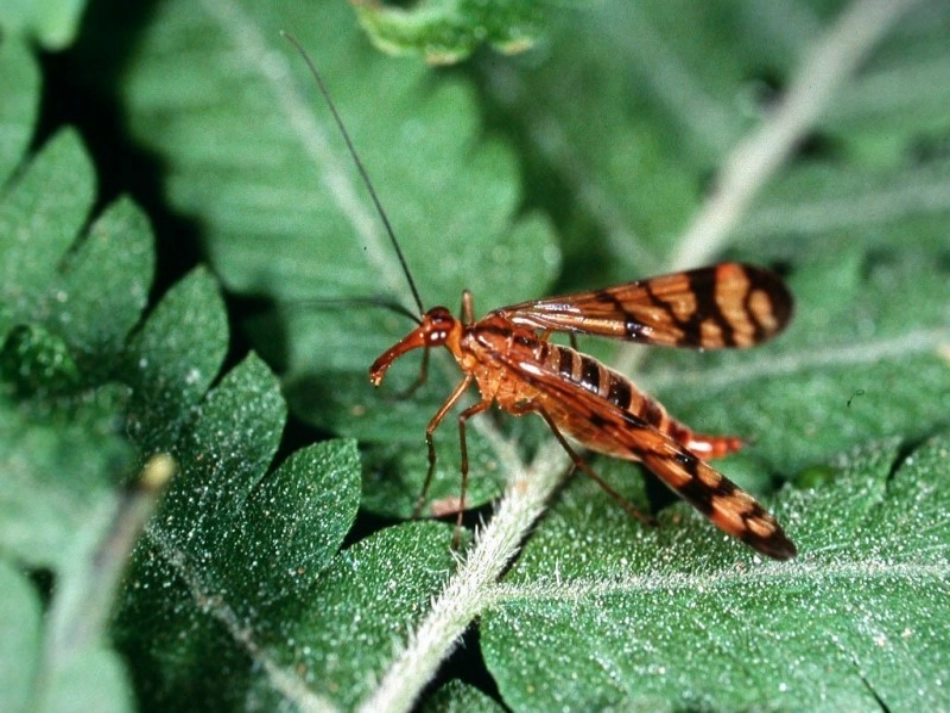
(40, 217)
(446, 31)
(236, 551)
(60, 464)
(61, 445)
(71, 299)
(241, 424)
(110, 273)
(20, 89)
(54, 23)
(20, 636)
(250, 568)
(374, 593)
(62, 450)
(456, 697)
(173, 359)
(655, 629)
(97, 680)
(257, 543)
(392, 476)
(67, 284)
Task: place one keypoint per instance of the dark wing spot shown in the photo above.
(781, 302)
(689, 462)
(776, 545)
(607, 298)
(697, 491)
(707, 310)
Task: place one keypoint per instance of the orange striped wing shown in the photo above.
(602, 426)
(725, 305)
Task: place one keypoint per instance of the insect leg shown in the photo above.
(430, 444)
(474, 410)
(581, 464)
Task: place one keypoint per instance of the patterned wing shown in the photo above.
(604, 427)
(726, 305)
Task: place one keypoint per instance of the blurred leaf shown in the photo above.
(20, 89)
(59, 465)
(677, 84)
(54, 23)
(94, 681)
(20, 636)
(277, 181)
(680, 620)
(446, 31)
(40, 217)
(61, 442)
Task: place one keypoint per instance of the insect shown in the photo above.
(508, 355)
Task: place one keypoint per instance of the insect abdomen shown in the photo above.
(593, 376)
(606, 383)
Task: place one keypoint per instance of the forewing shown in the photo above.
(602, 426)
(725, 305)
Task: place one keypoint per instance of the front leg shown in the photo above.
(474, 410)
(434, 422)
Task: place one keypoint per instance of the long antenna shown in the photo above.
(359, 165)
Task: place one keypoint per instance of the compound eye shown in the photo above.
(438, 322)
(440, 316)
